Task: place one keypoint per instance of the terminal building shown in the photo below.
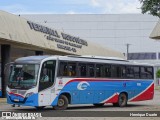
(21, 37)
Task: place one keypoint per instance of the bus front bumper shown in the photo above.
(27, 101)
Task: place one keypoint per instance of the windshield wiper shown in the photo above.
(20, 76)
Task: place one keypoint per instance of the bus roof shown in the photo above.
(98, 57)
(114, 60)
(31, 59)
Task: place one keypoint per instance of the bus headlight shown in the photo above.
(29, 94)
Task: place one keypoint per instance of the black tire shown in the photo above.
(98, 104)
(62, 103)
(122, 100)
(40, 107)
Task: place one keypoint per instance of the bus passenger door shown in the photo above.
(46, 82)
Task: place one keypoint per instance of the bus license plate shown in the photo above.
(16, 100)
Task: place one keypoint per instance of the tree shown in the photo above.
(158, 73)
(151, 7)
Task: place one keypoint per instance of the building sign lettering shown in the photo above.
(43, 29)
(63, 40)
(74, 39)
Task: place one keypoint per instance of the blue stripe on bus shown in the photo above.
(97, 91)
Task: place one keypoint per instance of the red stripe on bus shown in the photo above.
(145, 95)
(95, 80)
(11, 93)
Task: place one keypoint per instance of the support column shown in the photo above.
(5, 58)
(38, 52)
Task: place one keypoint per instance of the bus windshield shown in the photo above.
(23, 76)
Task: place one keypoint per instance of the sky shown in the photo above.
(70, 6)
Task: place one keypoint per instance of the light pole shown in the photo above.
(128, 49)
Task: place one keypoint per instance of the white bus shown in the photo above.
(57, 81)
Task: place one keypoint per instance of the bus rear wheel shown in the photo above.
(122, 100)
(62, 103)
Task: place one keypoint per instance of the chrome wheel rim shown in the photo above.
(60, 102)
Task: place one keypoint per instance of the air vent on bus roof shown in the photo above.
(97, 57)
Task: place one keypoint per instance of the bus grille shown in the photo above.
(21, 92)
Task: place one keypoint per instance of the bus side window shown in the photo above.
(107, 70)
(123, 72)
(116, 71)
(143, 73)
(90, 70)
(113, 71)
(63, 69)
(149, 71)
(146, 72)
(136, 72)
(72, 69)
(99, 70)
(82, 70)
(129, 72)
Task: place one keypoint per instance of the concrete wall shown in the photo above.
(109, 30)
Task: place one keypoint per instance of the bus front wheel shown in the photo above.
(122, 100)
(62, 103)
